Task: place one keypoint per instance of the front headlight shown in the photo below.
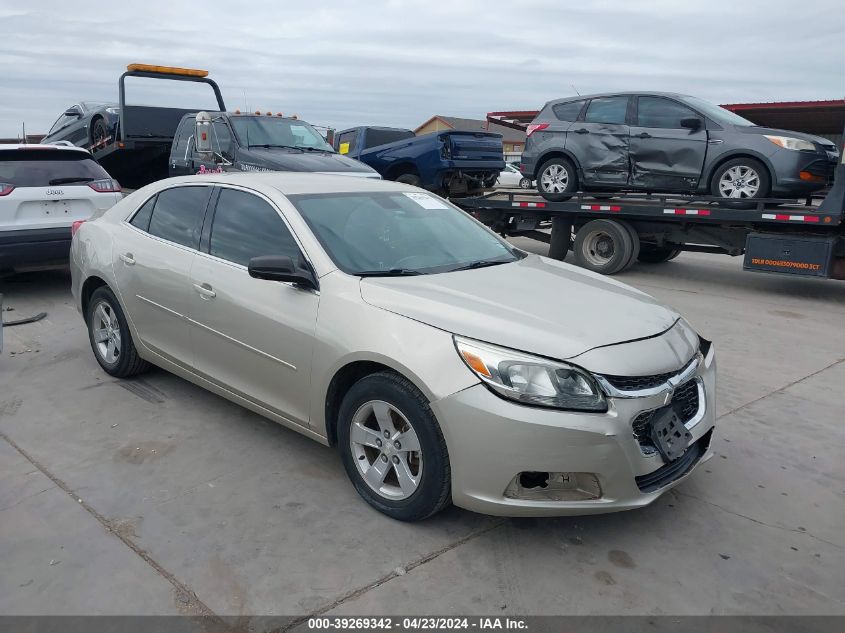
(787, 142)
(113, 110)
(531, 379)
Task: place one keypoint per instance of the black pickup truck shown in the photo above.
(448, 163)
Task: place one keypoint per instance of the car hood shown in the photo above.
(292, 160)
(776, 132)
(535, 305)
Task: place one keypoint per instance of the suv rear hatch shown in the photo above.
(42, 188)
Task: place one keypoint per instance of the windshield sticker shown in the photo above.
(426, 201)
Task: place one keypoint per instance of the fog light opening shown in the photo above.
(532, 479)
(548, 486)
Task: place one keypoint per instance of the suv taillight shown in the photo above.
(446, 149)
(535, 127)
(75, 227)
(6, 188)
(106, 185)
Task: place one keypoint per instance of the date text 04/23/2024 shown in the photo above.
(478, 623)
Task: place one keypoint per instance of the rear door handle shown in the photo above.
(643, 135)
(582, 131)
(205, 291)
(127, 259)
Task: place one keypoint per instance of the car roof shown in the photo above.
(623, 93)
(42, 146)
(292, 182)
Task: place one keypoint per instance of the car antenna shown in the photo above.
(575, 89)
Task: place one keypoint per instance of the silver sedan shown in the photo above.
(446, 365)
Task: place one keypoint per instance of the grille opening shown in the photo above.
(685, 404)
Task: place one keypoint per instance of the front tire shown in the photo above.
(525, 183)
(410, 179)
(557, 180)
(393, 449)
(740, 182)
(99, 131)
(111, 340)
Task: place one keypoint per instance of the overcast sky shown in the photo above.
(397, 62)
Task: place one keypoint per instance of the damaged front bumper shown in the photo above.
(514, 460)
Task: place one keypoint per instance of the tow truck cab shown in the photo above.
(235, 141)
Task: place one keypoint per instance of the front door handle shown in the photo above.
(582, 130)
(127, 259)
(205, 291)
(643, 135)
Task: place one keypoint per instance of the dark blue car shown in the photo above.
(86, 124)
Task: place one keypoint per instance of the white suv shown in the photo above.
(44, 190)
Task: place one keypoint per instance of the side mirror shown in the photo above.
(282, 268)
(74, 112)
(691, 123)
(202, 133)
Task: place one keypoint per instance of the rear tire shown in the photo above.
(635, 244)
(111, 340)
(603, 246)
(557, 180)
(561, 239)
(657, 254)
(379, 413)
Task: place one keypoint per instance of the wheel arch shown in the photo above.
(400, 169)
(350, 373)
(88, 287)
(739, 153)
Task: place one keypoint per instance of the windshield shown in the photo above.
(253, 131)
(717, 113)
(399, 233)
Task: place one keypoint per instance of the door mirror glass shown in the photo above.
(74, 112)
(281, 268)
(691, 123)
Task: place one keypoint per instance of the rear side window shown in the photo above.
(245, 226)
(660, 112)
(178, 214)
(383, 137)
(45, 168)
(346, 142)
(607, 110)
(568, 111)
(141, 219)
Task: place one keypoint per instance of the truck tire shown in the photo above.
(561, 240)
(603, 246)
(557, 179)
(635, 244)
(657, 254)
(410, 179)
(752, 176)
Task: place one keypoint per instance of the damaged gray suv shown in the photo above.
(668, 143)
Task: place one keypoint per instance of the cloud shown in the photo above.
(398, 62)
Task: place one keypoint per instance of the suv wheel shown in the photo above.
(741, 179)
(110, 338)
(392, 448)
(557, 180)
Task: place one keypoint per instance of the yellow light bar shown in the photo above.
(167, 70)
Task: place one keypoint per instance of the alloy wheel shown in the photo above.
(106, 330)
(386, 450)
(555, 179)
(739, 181)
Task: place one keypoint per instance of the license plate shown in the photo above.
(669, 435)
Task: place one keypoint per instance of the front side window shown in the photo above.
(377, 137)
(180, 145)
(245, 226)
(662, 113)
(178, 214)
(346, 142)
(222, 138)
(607, 110)
(399, 233)
(268, 131)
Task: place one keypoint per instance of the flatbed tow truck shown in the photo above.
(610, 234)
(138, 153)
